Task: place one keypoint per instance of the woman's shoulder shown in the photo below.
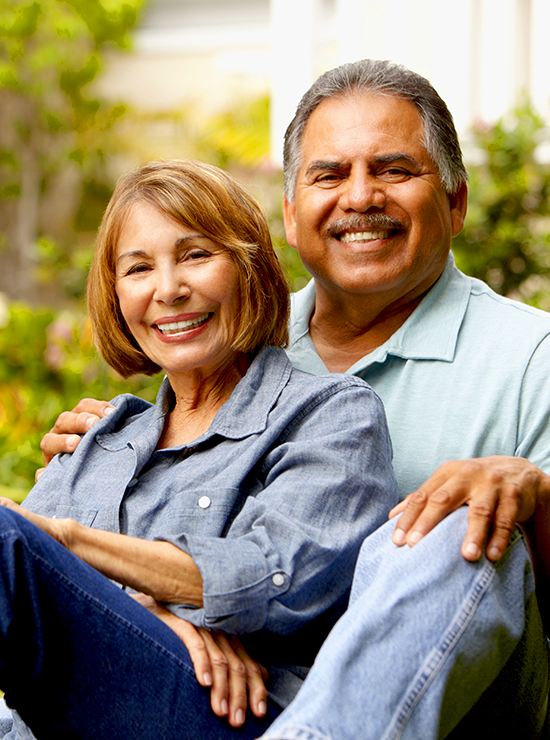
(314, 387)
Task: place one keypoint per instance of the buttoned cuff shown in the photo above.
(238, 584)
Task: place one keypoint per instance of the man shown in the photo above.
(375, 189)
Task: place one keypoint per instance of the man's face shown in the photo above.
(370, 215)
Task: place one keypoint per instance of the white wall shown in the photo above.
(481, 55)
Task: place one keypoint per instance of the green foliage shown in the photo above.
(506, 239)
(47, 363)
(52, 130)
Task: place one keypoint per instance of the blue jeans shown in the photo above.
(431, 647)
(80, 658)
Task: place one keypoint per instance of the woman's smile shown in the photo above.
(179, 327)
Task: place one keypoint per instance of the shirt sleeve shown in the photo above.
(534, 410)
(289, 554)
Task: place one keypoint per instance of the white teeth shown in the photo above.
(177, 326)
(363, 236)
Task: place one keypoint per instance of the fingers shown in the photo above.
(500, 491)
(422, 510)
(256, 676)
(220, 663)
(65, 434)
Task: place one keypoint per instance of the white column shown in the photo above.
(293, 24)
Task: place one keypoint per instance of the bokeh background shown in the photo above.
(90, 88)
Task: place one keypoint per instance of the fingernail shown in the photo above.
(109, 410)
(38, 474)
(72, 442)
(493, 553)
(262, 708)
(207, 678)
(239, 717)
(473, 549)
(398, 537)
(415, 538)
(225, 708)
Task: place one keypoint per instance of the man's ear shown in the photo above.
(459, 204)
(289, 218)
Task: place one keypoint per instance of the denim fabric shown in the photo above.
(465, 376)
(79, 658)
(425, 640)
(272, 502)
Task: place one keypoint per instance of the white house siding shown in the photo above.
(481, 55)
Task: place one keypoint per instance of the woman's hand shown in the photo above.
(500, 491)
(56, 528)
(220, 662)
(65, 434)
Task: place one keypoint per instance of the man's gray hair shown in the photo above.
(381, 78)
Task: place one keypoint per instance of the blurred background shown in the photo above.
(90, 88)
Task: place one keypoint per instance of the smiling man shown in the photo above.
(432, 645)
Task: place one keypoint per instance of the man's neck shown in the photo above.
(344, 332)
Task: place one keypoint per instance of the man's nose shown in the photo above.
(363, 191)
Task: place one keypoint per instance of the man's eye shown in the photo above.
(329, 178)
(395, 174)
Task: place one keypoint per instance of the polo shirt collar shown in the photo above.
(430, 332)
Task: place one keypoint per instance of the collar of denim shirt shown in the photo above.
(244, 413)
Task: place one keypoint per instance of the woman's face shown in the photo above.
(177, 291)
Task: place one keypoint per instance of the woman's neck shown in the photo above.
(197, 400)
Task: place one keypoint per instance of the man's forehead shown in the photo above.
(340, 125)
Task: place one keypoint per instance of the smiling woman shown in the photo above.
(236, 505)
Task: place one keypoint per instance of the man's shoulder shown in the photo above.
(509, 314)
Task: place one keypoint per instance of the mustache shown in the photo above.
(364, 222)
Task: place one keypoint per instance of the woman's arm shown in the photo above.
(159, 569)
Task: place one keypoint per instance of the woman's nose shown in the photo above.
(171, 286)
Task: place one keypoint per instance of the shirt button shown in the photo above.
(204, 502)
(278, 579)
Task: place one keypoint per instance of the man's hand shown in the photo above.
(500, 491)
(65, 435)
(220, 662)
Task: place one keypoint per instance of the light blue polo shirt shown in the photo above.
(467, 375)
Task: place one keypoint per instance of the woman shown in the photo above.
(237, 503)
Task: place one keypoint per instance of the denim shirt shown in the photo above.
(272, 502)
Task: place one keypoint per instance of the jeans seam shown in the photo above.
(435, 663)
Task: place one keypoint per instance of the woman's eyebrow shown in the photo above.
(132, 253)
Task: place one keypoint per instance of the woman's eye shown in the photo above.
(137, 269)
(197, 254)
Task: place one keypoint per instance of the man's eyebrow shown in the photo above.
(397, 157)
(323, 164)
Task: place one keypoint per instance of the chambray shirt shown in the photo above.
(272, 502)
(467, 375)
